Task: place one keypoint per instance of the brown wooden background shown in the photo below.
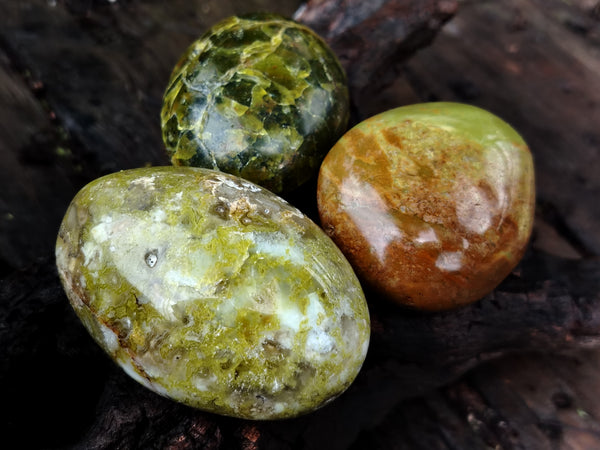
(80, 91)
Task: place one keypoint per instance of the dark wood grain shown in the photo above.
(371, 38)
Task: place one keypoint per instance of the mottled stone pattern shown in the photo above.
(257, 96)
(213, 291)
(432, 204)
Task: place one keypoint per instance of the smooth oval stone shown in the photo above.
(213, 291)
(257, 96)
(432, 203)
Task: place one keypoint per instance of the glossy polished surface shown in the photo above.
(432, 204)
(257, 96)
(213, 291)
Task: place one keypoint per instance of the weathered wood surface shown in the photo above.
(370, 38)
(80, 91)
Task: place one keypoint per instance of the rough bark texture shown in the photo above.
(80, 91)
(370, 38)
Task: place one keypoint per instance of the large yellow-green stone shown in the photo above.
(213, 291)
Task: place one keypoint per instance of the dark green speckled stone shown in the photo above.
(257, 96)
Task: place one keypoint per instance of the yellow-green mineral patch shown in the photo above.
(213, 291)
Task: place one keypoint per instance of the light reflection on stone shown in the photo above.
(449, 261)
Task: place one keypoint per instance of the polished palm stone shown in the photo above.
(432, 203)
(213, 291)
(256, 96)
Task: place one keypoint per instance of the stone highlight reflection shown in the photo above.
(432, 204)
(213, 291)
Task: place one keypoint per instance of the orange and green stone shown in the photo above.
(213, 291)
(432, 204)
(257, 96)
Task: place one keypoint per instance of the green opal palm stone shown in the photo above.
(213, 291)
(257, 96)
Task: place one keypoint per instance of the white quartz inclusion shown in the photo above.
(449, 261)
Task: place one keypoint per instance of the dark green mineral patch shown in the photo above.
(257, 96)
